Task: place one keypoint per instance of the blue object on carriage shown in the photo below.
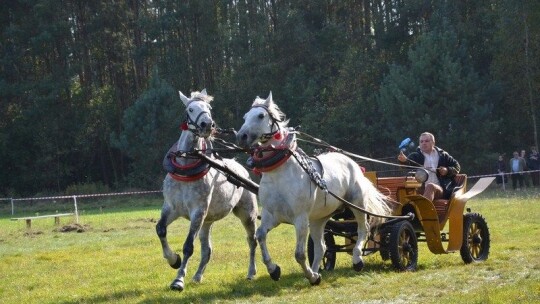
(404, 143)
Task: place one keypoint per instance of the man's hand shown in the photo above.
(401, 157)
(442, 171)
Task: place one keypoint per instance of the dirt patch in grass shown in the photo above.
(33, 233)
(73, 228)
(147, 220)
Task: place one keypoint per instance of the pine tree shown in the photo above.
(439, 92)
(150, 127)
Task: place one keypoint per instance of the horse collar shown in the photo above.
(275, 157)
(185, 173)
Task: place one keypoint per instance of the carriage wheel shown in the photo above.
(475, 246)
(385, 255)
(403, 246)
(329, 257)
(384, 236)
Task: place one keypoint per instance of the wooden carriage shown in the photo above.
(435, 222)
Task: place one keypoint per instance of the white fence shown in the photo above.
(74, 198)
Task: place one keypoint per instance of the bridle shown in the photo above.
(198, 169)
(193, 125)
(275, 122)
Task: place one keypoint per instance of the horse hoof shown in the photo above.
(358, 266)
(178, 262)
(317, 281)
(177, 285)
(276, 274)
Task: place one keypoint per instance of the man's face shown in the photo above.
(426, 144)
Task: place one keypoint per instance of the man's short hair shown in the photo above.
(431, 136)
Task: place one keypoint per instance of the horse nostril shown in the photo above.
(213, 124)
(203, 124)
(244, 136)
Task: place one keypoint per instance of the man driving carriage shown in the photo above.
(440, 165)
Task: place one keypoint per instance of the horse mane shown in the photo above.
(202, 97)
(273, 109)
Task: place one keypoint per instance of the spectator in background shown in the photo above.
(501, 170)
(534, 166)
(517, 166)
(526, 176)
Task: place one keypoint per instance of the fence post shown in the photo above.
(12, 206)
(76, 210)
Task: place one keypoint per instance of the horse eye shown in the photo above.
(261, 116)
(190, 110)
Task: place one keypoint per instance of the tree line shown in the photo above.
(88, 89)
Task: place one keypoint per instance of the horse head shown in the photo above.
(198, 116)
(261, 122)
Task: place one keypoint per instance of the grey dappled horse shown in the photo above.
(201, 194)
(288, 194)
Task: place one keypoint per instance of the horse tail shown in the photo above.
(374, 202)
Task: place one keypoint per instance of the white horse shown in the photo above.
(289, 195)
(200, 193)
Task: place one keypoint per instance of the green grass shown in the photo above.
(118, 259)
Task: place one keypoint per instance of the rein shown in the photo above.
(232, 177)
(320, 182)
(300, 157)
(303, 160)
(321, 143)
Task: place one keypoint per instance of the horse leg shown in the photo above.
(316, 230)
(172, 258)
(267, 223)
(247, 213)
(196, 220)
(206, 250)
(358, 263)
(301, 224)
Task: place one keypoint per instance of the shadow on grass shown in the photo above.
(262, 287)
(109, 298)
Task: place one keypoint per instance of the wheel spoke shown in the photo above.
(404, 252)
(476, 251)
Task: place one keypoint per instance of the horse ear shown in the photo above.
(269, 99)
(184, 99)
(203, 92)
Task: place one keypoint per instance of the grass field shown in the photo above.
(115, 257)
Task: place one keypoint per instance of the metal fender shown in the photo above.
(427, 215)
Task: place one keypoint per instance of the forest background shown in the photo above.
(89, 89)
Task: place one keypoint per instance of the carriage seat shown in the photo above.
(441, 205)
(390, 185)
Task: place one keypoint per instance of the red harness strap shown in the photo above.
(191, 178)
(280, 162)
(271, 162)
(190, 172)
